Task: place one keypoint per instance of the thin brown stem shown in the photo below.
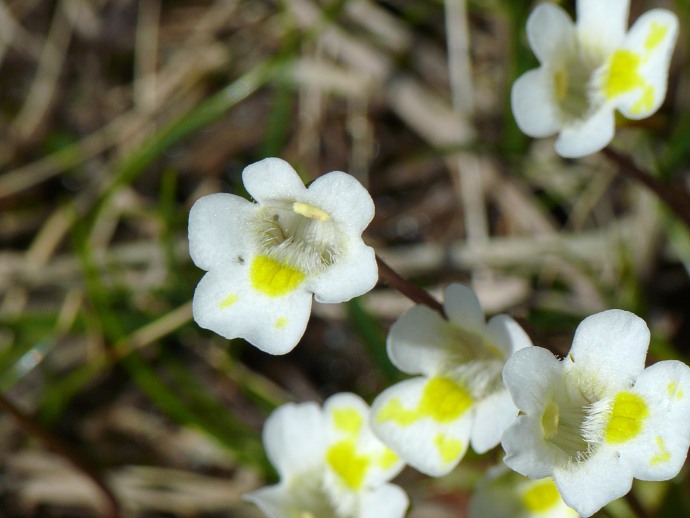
(677, 200)
(32, 427)
(412, 292)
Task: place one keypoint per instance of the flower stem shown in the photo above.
(637, 508)
(678, 200)
(32, 427)
(412, 292)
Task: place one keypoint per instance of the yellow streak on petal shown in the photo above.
(560, 84)
(350, 467)
(623, 74)
(645, 102)
(663, 456)
(541, 496)
(388, 459)
(627, 418)
(309, 211)
(442, 400)
(281, 322)
(348, 421)
(272, 278)
(228, 301)
(673, 390)
(550, 420)
(448, 448)
(656, 35)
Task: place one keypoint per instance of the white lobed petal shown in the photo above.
(493, 415)
(551, 34)
(353, 274)
(463, 308)
(272, 179)
(534, 105)
(217, 229)
(584, 137)
(400, 419)
(274, 501)
(504, 333)
(527, 452)
(387, 501)
(295, 439)
(530, 375)
(226, 303)
(601, 25)
(420, 341)
(611, 346)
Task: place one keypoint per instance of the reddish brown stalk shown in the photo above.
(33, 428)
(412, 292)
(677, 200)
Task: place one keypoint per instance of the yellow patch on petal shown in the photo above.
(627, 418)
(550, 420)
(623, 74)
(656, 35)
(281, 322)
(388, 459)
(309, 211)
(448, 448)
(228, 301)
(560, 84)
(541, 496)
(663, 456)
(272, 278)
(673, 390)
(348, 421)
(351, 468)
(443, 400)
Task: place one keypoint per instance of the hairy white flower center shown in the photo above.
(572, 84)
(297, 234)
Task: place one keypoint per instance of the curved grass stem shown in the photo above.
(412, 292)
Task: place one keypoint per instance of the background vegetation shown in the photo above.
(116, 115)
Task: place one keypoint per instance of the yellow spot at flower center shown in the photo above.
(627, 418)
(309, 211)
(550, 420)
(674, 390)
(350, 467)
(272, 278)
(228, 301)
(348, 421)
(656, 36)
(560, 84)
(281, 322)
(443, 400)
(448, 448)
(541, 496)
(663, 456)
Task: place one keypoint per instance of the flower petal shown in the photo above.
(660, 449)
(636, 75)
(354, 274)
(295, 439)
(529, 375)
(425, 421)
(612, 346)
(507, 335)
(463, 308)
(534, 105)
(527, 452)
(226, 303)
(344, 199)
(272, 179)
(551, 34)
(217, 234)
(589, 485)
(493, 415)
(601, 26)
(420, 341)
(587, 136)
(387, 501)
(274, 501)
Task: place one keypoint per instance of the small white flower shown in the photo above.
(502, 492)
(598, 418)
(591, 68)
(429, 420)
(266, 259)
(330, 464)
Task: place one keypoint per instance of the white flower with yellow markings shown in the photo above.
(330, 464)
(266, 259)
(459, 398)
(597, 418)
(502, 492)
(591, 68)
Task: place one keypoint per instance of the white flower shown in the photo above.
(598, 418)
(502, 492)
(264, 260)
(429, 420)
(330, 464)
(591, 68)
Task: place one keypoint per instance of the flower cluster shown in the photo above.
(591, 68)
